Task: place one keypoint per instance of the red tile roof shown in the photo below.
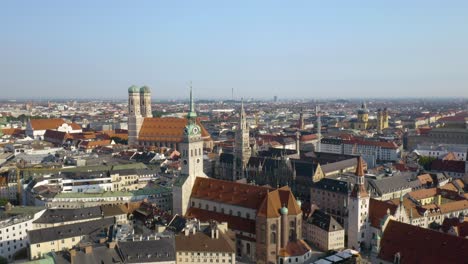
(51, 123)
(423, 193)
(228, 192)
(448, 165)
(295, 248)
(12, 131)
(378, 210)
(266, 201)
(167, 129)
(94, 144)
(421, 245)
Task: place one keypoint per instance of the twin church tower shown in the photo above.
(183, 134)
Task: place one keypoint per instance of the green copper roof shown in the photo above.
(133, 89)
(284, 210)
(191, 114)
(145, 89)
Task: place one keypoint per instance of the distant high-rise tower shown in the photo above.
(379, 120)
(319, 128)
(275, 98)
(300, 124)
(242, 151)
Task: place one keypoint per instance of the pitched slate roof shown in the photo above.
(397, 182)
(90, 228)
(100, 254)
(421, 245)
(51, 216)
(332, 185)
(152, 251)
(324, 221)
(202, 242)
(304, 167)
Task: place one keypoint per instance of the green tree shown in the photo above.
(3, 201)
(426, 162)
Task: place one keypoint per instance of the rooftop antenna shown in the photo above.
(232, 94)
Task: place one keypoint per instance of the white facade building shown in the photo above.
(14, 229)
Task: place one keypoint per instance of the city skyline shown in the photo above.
(261, 49)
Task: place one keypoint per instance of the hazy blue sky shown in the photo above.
(303, 49)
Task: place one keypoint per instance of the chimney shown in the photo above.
(102, 240)
(88, 250)
(111, 245)
(8, 206)
(72, 256)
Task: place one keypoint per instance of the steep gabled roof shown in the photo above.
(378, 210)
(167, 129)
(421, 245)
(228, 192)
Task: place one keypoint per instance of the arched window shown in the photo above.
(230, 212)
(291, 224)
(214, 208)
(273, 227)
(248, 248)
(273, 238)
(207, 207)
(222, 210)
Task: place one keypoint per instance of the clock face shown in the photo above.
(195, 130)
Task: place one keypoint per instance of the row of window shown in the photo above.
(215, 209)
(204, 254)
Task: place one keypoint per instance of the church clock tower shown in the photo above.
(191, 157)
(192, 146)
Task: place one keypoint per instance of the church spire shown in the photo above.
(360, 167)
(192, 114)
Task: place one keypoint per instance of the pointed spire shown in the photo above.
(242, 105)
(191, 114)
(360, 167)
